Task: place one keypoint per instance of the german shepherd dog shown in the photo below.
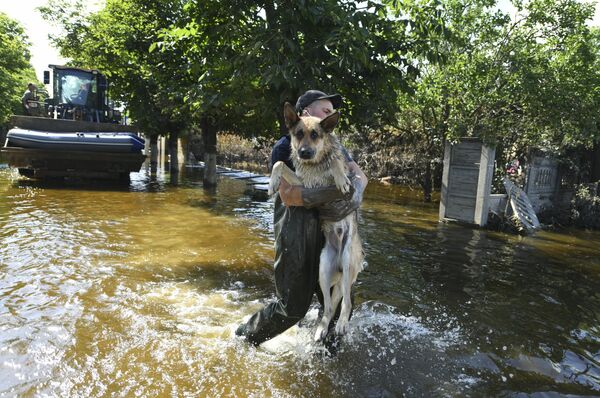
(318, 159)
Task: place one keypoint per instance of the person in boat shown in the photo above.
(298, 236)
(30, 100)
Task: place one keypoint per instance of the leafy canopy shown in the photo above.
(15, 67)
(527, 80)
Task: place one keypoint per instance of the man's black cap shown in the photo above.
(314, 95)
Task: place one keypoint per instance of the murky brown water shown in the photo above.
(137, 292)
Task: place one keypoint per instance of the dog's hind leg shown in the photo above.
(327, 271)
(346, 283)
(336, 295)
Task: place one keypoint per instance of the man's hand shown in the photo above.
(297, 195)
(338, 209)
(291, 195)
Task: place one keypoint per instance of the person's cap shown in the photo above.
(314, 95)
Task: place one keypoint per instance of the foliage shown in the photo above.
(414, 73)
(517, 81)
(249, 58)
(15, 69)
(230, 65)
(235, 150)
(116, 40)
(585, 206)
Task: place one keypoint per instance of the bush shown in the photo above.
(390, 153)
(236, 151)
(585, 206)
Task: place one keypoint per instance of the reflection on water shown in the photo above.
(136, 291)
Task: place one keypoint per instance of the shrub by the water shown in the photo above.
(585, 209)
(236, 151)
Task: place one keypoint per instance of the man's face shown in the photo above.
(319, 108)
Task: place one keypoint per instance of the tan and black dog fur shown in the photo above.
(319, 162)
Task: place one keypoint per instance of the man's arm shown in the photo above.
(25, 99)
(356, 170)
(297, 195)
(339, 209)
(333, 205)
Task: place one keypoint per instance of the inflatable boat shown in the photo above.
(118, 142)
(55, 148)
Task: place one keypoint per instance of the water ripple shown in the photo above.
(138, 290)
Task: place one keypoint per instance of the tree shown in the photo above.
(15, 68)
(417, 72)
(230, 65)
(520, 82)
(249, 58)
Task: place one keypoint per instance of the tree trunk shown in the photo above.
(595, 174)
(209, 136)
(153, 153)
(185, 148)
(427, 182)
(173, 153)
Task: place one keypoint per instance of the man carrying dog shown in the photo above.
(298, 236)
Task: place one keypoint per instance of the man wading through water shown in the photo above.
(298, 236)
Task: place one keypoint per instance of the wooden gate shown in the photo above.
(541, 184)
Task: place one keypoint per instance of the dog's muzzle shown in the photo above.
(306, 153)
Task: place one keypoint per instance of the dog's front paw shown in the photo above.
(320, 333)
(346, 188)
(275, 180)
(343, 185)
(341, 328)
(273, 185)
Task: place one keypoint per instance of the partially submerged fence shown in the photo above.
(541, 182)
(467, 181)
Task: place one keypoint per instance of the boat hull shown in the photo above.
(79, 141)
(42, 163)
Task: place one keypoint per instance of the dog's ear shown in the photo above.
(329, 123)
(290, 115)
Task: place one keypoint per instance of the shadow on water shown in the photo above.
(138, 182)
(113, 291)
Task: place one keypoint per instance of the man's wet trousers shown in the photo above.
(298, 245)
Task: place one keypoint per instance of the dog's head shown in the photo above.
(309, 135)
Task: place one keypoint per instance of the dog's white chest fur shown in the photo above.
(312, 179)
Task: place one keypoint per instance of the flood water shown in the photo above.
(137, 291)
